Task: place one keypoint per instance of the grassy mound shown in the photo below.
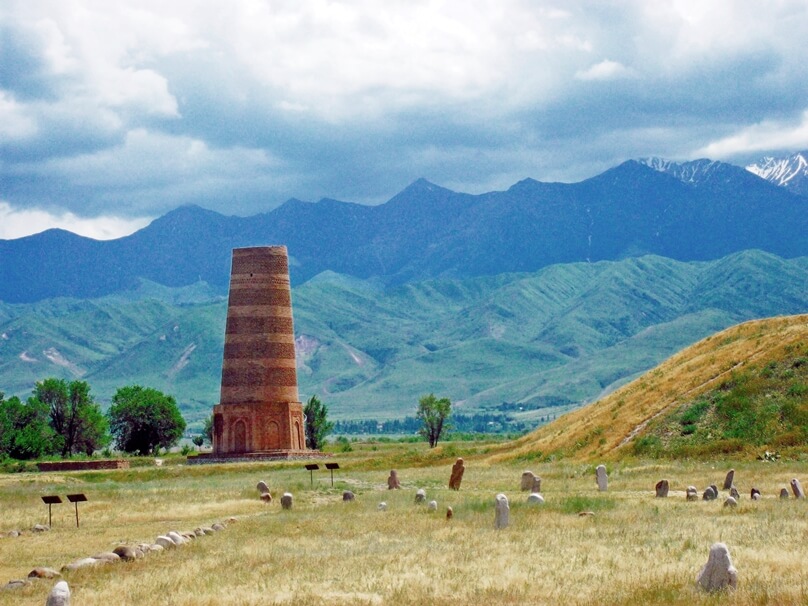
(742, 391)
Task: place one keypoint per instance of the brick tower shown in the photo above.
(259, 414)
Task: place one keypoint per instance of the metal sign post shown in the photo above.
(332, 467)
(50, 500)
(311, 467)
(76, 498)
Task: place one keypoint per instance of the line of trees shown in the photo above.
(61, 418)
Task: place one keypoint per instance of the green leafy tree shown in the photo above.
(76, 419)
(207, 430)
(433, 413)
(24, 430)
(143, 420)
(317, 424)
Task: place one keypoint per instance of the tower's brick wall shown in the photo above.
(259, 408)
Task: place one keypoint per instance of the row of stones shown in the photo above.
(60, 594)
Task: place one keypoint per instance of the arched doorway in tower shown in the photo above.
(299, 436)
(240, 436)
(273, 435)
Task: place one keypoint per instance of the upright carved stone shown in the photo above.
(458, 469)
(502, 512)
(796, 488)
(392, 481)
(662, 487)
(59, 595)
(718, 573)
(754, 494)
(602, 478)
(729, 479)
(259, 410)
(527, 480)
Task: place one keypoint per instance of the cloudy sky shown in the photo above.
(113, 113)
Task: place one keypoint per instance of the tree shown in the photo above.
(143, 420)
(207, 430)
(24, 430)
(76, 419)
(317, 424)
(433, 413)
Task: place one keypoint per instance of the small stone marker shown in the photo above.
(662, 487)
(286, 500)
(796, 488)
(432, 506)
(83, 563)
(527, 481)
(730, 502)
(392, 481)
(382, 506)
(733, 492)
(755, 494)
(420, 496)
(536, 487)
(729, 479)
(125, 553)
(718, 573)
(59, 595)
(502, 512)
(43, 573)
(535, 499)
(710, 494)
(348, 496)
(715, 489)
(458, 469)
(176, 537)
(262, 487)
(266, 497)
(602, 478)
(784, 493)
(40, 528)
(692, 494)
(218, 526)
(16, 584)
(449, 513)
(107, 556)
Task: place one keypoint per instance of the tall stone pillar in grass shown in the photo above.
(259, 412)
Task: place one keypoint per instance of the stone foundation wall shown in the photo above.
(82, 465)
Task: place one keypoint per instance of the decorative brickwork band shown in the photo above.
(259, 408)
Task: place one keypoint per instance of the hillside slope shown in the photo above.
(744, 389)
(530, 345)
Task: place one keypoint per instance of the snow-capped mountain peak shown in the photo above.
(694, 172)
(790, 172)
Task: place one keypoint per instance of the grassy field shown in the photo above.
(636, 549)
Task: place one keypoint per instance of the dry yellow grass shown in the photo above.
(603, 429)
(636, 549)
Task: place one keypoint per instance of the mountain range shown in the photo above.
(527, 302)
(689, 212)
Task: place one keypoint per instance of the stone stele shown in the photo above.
(458, 469)
(718, 573)
(259, 414)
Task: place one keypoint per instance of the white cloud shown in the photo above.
(15, 123)
(766, 136)
(17, 223)
(605, 70)
(149, 159)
